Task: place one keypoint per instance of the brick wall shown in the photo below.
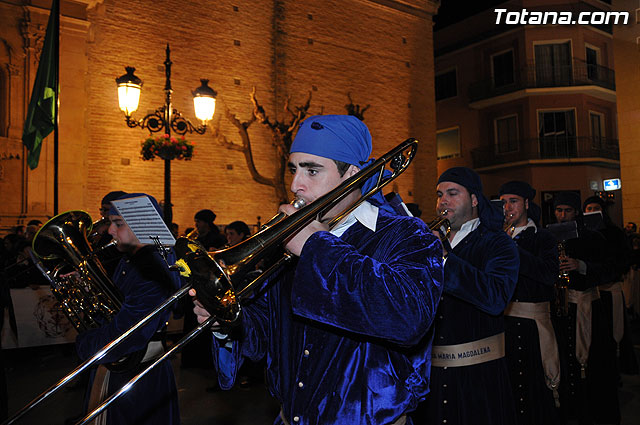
(379, 52)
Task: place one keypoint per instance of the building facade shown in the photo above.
(626, 48)
(377, 53)
(529, 102)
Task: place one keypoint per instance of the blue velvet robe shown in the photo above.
(345, 329)
(480, 275)
(145, 282)
(538, 273)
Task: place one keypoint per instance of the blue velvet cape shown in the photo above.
(480, 277)
(345, 329)
(145, 282)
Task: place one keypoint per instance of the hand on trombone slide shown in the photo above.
(295, 244)
(201, 313)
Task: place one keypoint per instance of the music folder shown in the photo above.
(564, 231)
(594, 220)
(144, 220)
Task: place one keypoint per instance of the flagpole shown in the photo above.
(56, 105)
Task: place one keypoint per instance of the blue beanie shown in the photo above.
(524, 190)
(339, 137)
(490, 215)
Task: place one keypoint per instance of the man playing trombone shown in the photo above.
(145, 281)
(344, 328)
(531, 347)
(470, 381)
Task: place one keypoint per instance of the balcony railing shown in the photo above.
(546, 148)
(540, 75)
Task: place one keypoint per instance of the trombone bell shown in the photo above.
(209, 279)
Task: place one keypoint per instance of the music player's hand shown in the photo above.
(438, 234)
(568, 264)
(295, 244)
(198, 309)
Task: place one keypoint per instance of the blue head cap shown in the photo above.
(342, 138)
(524, 190)
(490, 215)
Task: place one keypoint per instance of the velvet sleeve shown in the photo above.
(542, 265)
(249, 340)
(489, 282)
(388, 289)
(145, 296)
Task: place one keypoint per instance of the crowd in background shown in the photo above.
(17, 270)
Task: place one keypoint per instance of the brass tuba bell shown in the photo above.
(86, 295)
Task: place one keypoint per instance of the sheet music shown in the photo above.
(564, 231)
(143, 219)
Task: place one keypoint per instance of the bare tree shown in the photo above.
(355, 110)
(281, 138)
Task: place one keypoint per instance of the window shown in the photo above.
(596, 121)
(553, 64)
(591, 56)
(557, 134)
(506, 131)
(502, 69)
(446, 85)
(448, 143)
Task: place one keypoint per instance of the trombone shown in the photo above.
(224, 278)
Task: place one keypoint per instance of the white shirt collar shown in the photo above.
(521, 229)
(466, 228)
(366, 214)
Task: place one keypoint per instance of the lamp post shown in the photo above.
(165, 117)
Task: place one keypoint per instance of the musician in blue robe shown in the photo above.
(145, 282)
(345, 328)
(531, 346)
(469, 376)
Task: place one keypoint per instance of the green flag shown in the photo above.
(41, 112)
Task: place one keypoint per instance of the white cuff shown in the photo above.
(582, 267)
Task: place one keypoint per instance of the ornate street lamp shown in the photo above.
(165, 118)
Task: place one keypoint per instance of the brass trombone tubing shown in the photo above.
(283, 228)
(299, 218)
(379, 165)
(321, 205)
(186, 339)
(91, 415)
(96, 357)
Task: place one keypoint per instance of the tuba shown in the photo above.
(97, 229)
(561, 287)
(224, 279)
(86, 295)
